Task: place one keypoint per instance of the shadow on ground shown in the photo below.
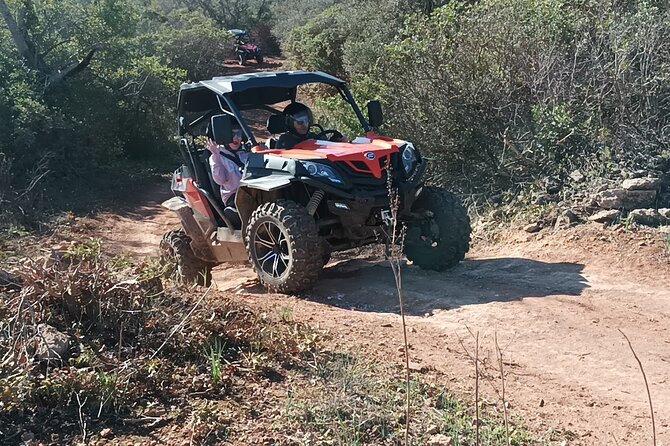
(369, 286)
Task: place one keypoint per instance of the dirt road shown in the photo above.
(556, 302)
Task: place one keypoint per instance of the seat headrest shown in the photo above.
(276, 124)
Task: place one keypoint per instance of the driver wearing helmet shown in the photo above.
(299, 120)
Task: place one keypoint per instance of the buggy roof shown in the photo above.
(276, 79)
(250, 90)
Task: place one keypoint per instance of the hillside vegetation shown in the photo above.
(504, 95)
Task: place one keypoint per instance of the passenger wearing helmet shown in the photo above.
(298, 122)
(227, 163)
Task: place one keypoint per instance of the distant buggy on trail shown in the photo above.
(294, 207)
(245, 50)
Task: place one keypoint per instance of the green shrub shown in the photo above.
(318, 44)
(504, 93)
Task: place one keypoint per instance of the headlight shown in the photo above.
(321, 171)
(409, 158)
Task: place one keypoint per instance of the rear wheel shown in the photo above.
(259, 58)
(181, 263)
(284, 246)
(439, 241)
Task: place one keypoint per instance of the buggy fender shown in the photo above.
(248, 198)
(198, 239)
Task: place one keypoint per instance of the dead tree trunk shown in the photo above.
(30, 53)
(23, 44)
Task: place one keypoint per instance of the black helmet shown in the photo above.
(235, 126)
(296, 111)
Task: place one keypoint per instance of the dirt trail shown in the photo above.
(555, 301)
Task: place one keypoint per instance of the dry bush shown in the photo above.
(134, 341)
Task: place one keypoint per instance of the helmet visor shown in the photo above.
(301, 118)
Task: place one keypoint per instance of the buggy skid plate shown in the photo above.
(359, 212)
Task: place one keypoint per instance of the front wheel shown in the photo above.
(442, 238)
(242, 59)
(180, 261)
(284, 246)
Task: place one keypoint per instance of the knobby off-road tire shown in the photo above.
(439, 242)
(184, 265)
(284, 246)
(259, 59)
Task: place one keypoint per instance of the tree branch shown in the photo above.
(71, 69)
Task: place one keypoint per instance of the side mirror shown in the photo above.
(222, 129)
(375, 114)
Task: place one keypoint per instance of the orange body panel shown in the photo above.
(374, 152)
(196, 200)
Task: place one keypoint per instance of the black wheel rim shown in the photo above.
(271, 249)
(424, 236)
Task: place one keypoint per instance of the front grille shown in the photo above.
(361, 179)
(360, 175)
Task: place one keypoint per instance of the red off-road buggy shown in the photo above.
(294, 207)
(244, 49)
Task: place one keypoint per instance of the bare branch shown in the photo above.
(502, 379)
(477, 388)
(646, 384)
(71, 69)
(183, 321)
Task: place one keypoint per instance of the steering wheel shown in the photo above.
(334, 135)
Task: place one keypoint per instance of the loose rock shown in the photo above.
(649, 217)
(564, 220)
(605, 216)
(416, 367)
(627, 199)
(533, 227)
(577, 176)
(440, 440)
(106, 432)
(641, 184)
(638, 174)
(50, 344)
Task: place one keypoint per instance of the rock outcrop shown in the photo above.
(626, 199)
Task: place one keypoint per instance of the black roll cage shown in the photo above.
(225, 102)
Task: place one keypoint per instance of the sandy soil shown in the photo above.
(555, 300)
